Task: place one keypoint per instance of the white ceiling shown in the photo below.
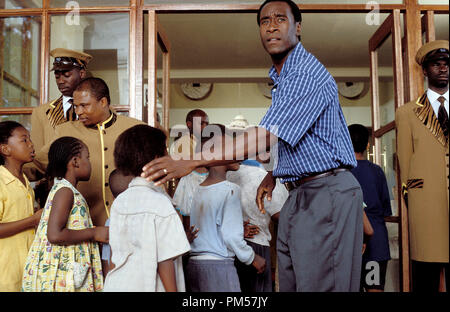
(231, 41)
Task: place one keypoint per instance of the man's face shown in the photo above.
(90, 111)
(278, 30)
(67, 80)
(437, 73)
(198, 122)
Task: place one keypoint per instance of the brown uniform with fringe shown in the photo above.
(423, 155)
(44, 119)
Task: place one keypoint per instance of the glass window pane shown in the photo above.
(386, 82)
(22, 4)
(106, 38)
(388, 164)
(19, 61)
(445, 2)
(260, 2)
(441, 24)
(24, 120)
(87, 3)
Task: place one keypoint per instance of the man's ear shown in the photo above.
(298, 28)
(104, 102)
(82, 73)
(424, 70)
(189, 124)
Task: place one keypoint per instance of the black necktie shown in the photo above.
(443, 116)
(71, 115)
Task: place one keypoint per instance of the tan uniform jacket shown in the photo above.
(423, 158)
(44, 119)
(100, 141)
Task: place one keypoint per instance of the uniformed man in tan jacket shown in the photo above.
(423, 153)
(98, 127)
(69, 67)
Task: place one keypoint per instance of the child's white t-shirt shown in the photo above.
(144, 229)
(216, 211)
(185, 191)
(249, 178)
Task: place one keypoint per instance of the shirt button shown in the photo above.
(106, 166)
(105, 149)
(104, 132)
(106, 184)
(107, 203)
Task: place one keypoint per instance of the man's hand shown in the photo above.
(265, 189)
(250, 230)
(161, 170)
(259, 263)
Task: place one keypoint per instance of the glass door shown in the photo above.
(387, 85)
(157, 99)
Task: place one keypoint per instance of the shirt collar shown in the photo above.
(107, 123)
(66, 104)
(293, 58)
(139, 181)
(8, 177)
(433, 96)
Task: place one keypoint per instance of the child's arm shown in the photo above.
(57, 232)
(166, 271)
(233, 234)
(368, 229)
(8, 229)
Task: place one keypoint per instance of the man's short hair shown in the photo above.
(195, 113)
(360, 137)
(97, 87)
(294, 8)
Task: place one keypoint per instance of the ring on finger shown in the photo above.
(165, 171)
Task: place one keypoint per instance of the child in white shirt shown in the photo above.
(146, 235)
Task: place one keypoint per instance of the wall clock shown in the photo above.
(350, 90)
(196, 90)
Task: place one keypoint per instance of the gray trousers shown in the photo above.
(320, 236)
(211, 276)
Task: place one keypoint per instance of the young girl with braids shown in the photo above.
(17, 217)
(65, 255)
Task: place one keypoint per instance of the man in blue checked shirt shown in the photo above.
(320, 231)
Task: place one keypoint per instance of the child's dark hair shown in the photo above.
(117, 182)
(136, 147)
(360, 137)
(61, 152)
(6, 129)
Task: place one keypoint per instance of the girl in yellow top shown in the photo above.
(64, 255)
(17, 217)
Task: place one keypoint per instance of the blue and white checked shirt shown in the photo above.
(307, 118)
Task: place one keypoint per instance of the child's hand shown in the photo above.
(37, 217)
(250, 230)
(101, 234)
(259, 263)
(191, 233)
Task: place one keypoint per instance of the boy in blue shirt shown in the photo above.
(378, 205)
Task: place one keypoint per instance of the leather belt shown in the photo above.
(294, 184)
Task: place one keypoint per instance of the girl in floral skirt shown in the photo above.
(65, 255)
